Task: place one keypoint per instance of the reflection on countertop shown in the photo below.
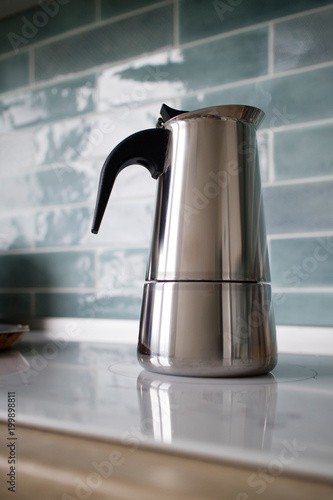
(207, 410)
(100, 389)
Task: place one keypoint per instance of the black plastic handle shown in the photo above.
(147, 148)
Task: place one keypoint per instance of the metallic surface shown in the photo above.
(207, 308)
(207, 329)
(209, 222)
(173, 403)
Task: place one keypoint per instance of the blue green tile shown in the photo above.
(123, 270)
(70, 98)
(17, 193)
(70, 145)
(200, 19)
(89, 305)
(73, 143)
(119, 7)
(286, 100)
(47, 20)
(263, 147)
(14, 72)
(209, 64)
(62, 143)
(133, 182)
(303, 152)
(59, 185)
(67, 184)
(125, 224)
(302, 262)
(149, 77)
(299, 208)
(14, 306)
(16, 231)
(303, 41)
(68, 153)
(16, 152)
(76, 141)
(62, 226)
(304, 309)
(47, 270)
(53, 102)
(107, 43)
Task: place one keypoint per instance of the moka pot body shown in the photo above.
(207, 306)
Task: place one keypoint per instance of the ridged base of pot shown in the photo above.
(207, 329)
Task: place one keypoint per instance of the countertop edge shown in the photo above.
(290, 339)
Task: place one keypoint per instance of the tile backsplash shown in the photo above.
(78, 76)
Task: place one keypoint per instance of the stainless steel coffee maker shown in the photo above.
(207, 306)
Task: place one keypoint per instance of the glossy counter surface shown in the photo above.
(277, 422)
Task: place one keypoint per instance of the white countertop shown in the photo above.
(277, 422)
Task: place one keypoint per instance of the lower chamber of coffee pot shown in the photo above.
(207, 329)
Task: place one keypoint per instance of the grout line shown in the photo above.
(32, 303)
(221, 36)
(96, 113)
(33, 240)
(313, 123)
(59, 79)
(297, 71)
(303, 13)
(259, 79)
(31, 67)
(92, 70)
(244, 29)
(270, 49)
(176, 23)
(250, 27)
(302, 180)
(143, 245)
(291, 236)
(83, 204)
(96, 265)
(271, 166)
(98, 10)
(36, 169)
(89, 27)
(34, 290)
(303, 290)
(160, 4)
(133, 106)
(79, 248)
(51, 40)
(96, 95)
(126, 15)
(33, 209)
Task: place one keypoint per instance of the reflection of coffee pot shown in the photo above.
(234, 412)
(207, 308)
